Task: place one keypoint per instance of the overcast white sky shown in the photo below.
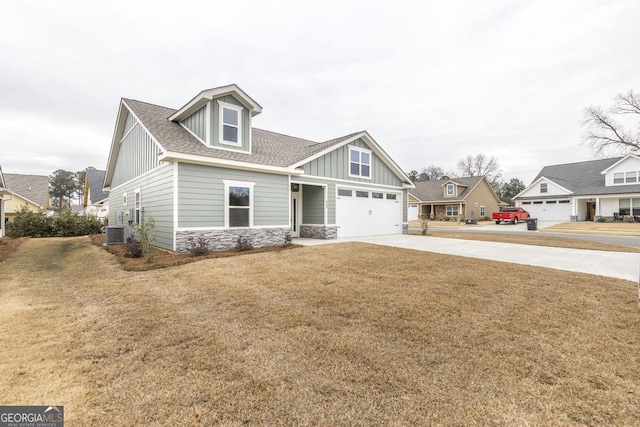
(431, 81)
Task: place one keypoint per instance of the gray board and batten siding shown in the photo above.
(312, 205)
(137, 153)
(335, 164)
(196, 123)
(201, 197)
(156, 201)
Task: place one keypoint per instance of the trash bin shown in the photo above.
(532, 223)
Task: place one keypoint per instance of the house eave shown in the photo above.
(232, 164)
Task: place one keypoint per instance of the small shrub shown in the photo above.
(424, 224)
(243, 244)
(197, 246)
(133, 248)
(287, 240)
(144, 234)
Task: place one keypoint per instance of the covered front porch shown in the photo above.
(310, 213)
(608, 208)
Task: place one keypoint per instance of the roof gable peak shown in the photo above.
(207, 95)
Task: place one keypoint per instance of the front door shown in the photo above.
(295, 214)
(591, 211)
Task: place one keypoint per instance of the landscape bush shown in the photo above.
(37, 224)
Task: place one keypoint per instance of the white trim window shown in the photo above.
(483, 211)
(543, 187)
(230, 118)
(359, 163)
(452, 210)
(137, 206)
(450, 190)
(238, 204)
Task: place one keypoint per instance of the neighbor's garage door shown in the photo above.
(549, 210)
(367, 213)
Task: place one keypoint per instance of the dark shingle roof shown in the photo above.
(34, 188)
(585, 178)
(95, 179)
(432, 191)
(268, 148)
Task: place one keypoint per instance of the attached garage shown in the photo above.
(548, 210)
(363, 212)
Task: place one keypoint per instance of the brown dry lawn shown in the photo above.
(348, 334)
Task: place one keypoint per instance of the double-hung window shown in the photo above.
(138, 207)
(359, 163)
(543, 187)
(452, 210)
(238, 204)
(451, 190)
(230, 124)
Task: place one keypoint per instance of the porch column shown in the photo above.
(597, 206)
(433, 212)
(460, 211)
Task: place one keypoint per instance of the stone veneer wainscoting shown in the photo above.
(323, 232)
(223, 240)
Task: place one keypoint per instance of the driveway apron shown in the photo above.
(621, 265)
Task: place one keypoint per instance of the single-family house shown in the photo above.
(467, 197)
(203, 170)
(20, 190)
(585, 191)
(95, 200)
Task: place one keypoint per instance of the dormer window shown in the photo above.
(450, 190)
(230, 124)
(359, 163)
(618, 178)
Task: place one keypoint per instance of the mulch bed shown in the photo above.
(163, 258)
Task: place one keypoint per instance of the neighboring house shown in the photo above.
(584, 191)
(204, 171)
(19, 190)
(470, 197)
(95, 199)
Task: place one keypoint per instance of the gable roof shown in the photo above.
(270, 149)
(583, 178)
(33, 188)
(431, 191)
(94, 179)
(205, 96)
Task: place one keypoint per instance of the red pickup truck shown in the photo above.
(511, 214)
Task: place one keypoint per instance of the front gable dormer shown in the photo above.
(220, 118)
(452, 189)
(624, 172)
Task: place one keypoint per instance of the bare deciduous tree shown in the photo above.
(481, 165)
(604, 134)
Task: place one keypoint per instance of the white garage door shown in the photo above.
(367, 213)
(549, 210)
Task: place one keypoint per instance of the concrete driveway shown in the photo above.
(621, 265)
